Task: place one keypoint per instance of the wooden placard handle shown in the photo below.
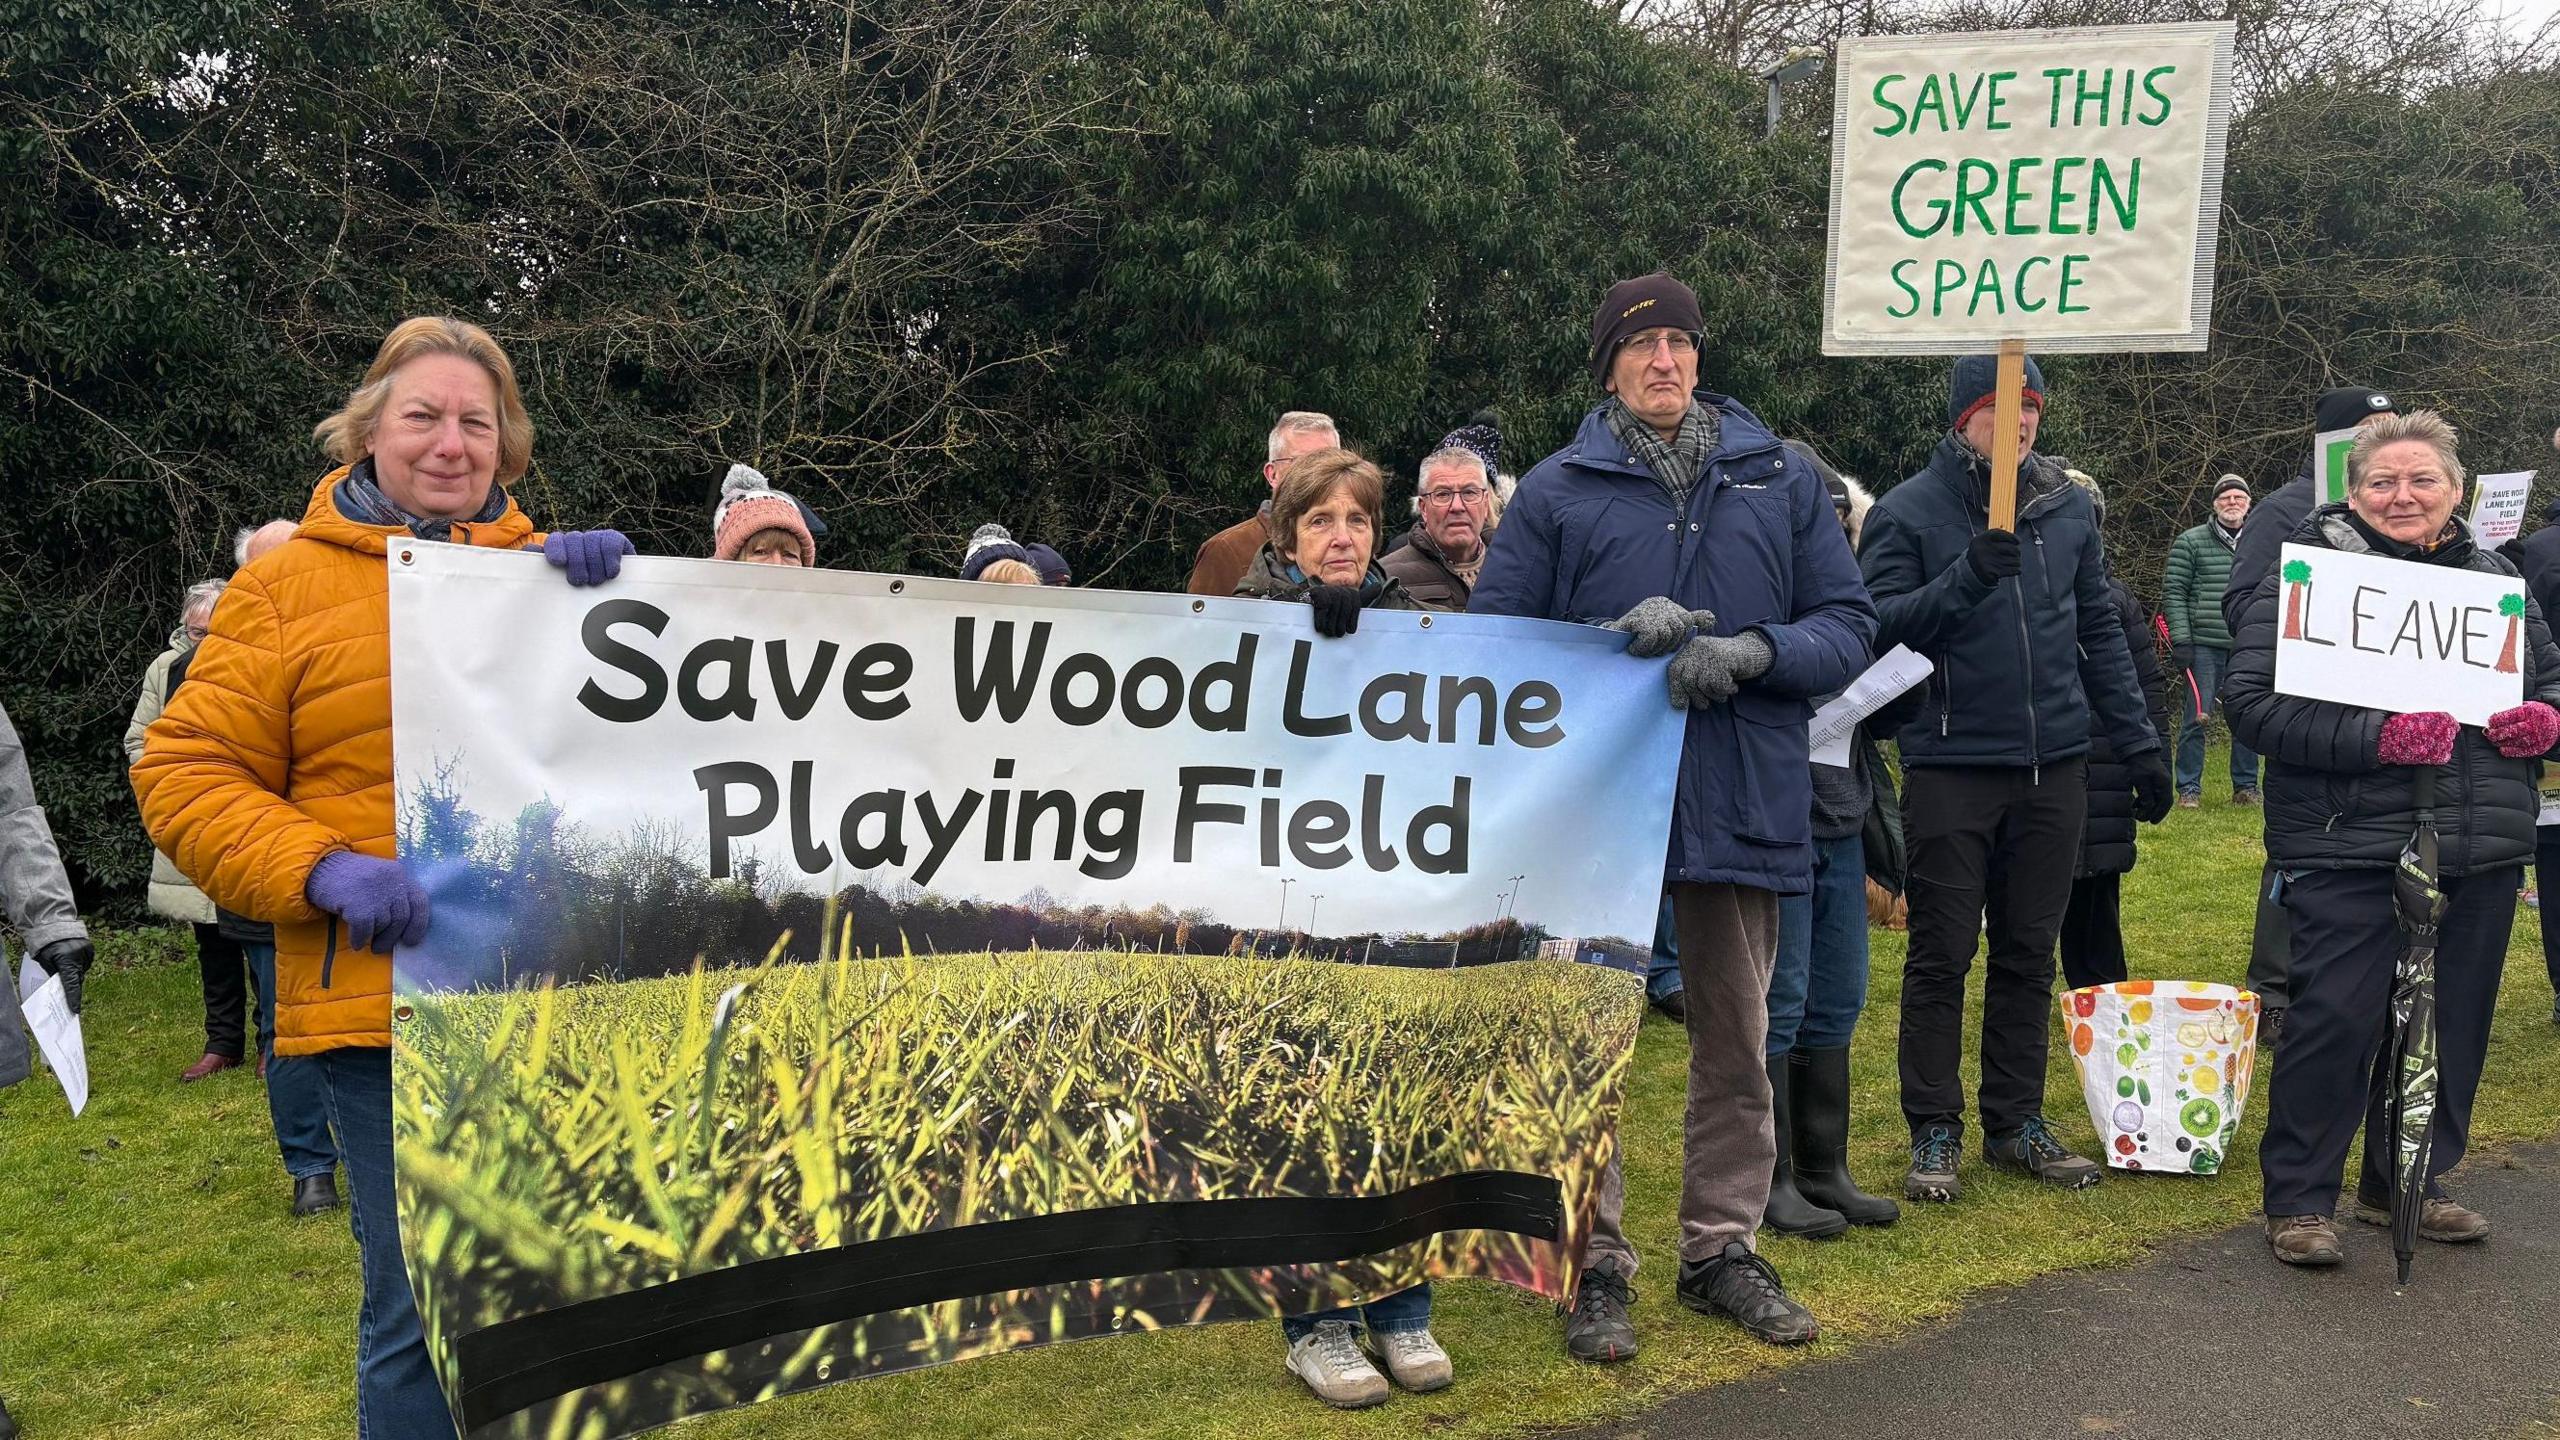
(2004, 438)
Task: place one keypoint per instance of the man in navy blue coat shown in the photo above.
(1675, 516)
(2031, 664)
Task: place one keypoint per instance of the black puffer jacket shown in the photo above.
(2107, 841)
(2331, 803)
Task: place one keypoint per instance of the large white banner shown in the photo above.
(2056, 186)
(837, 973)
(2398, 635)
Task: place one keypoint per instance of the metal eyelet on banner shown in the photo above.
(897, 587)
(402, 1012)
(1426, 622)
(406, 556)
(1199, 605)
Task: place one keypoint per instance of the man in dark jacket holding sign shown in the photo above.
(1674, 515)
(2031, 665)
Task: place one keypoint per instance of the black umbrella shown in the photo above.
(2410, 1049)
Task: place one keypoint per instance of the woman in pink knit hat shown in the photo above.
(758, 524)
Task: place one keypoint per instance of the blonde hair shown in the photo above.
(347, 436)
(1009, 572)
(2424, 426)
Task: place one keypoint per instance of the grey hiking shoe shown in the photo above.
(2443, 1220)
(1329, 1360)
(2307, 1240)
(1935, 1153)
(1745, 1287)
(1597, 1328)
(2037, 1152)
(1413, 1359)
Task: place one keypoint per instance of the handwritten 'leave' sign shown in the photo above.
(2056, 186)
(2397, 635)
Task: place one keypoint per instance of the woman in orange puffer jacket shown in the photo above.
(268, 777)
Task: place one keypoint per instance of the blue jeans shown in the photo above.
(1662, 972)
(397, 1397)
(1408, 1309)
(297, 1100)
(1820, 983)
(2210, 664)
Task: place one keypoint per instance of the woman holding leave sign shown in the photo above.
(2340, 806)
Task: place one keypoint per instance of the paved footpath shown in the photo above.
(2209, 1339)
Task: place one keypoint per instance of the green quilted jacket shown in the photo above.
(2191, 589)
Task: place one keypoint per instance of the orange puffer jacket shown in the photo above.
(277, 752)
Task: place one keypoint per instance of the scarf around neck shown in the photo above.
(360, 499)
(1675, 462)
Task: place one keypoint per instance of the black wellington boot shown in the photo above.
(1820, 1144)
(1790, 1213)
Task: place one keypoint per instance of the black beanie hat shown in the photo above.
(1975, 382)
(1644, 303)
(2229, 483)
(2346, 407)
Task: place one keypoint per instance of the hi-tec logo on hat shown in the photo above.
(2379, 402)
(1630, 310)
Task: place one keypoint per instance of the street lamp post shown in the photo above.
(1312, 902)
(1284, 905)
(1799, 63)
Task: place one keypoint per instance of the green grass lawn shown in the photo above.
(152, 1286)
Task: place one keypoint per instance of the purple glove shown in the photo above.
(382, 906)
(590, 556)
(2528, 730)
(2422, 738)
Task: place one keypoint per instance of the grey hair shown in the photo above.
(2425, 426)
(1298, 422)
(242, 537)
(1451, 455)
(204, 593)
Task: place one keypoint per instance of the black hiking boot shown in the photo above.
(2035, 1151)
(1597, 1328)
(1788, 1212)
(1743, 1286)
(1819, 1105)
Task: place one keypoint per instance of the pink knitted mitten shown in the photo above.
(2424, 738)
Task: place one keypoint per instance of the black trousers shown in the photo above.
(224, 969)
(2270, 944)
(2546, 878)
(2093, 932)
(2346, 944)
(1991, 849)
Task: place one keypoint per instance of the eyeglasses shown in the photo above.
(1682, 343)
(1455, 495)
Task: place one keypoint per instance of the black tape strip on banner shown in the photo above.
(519, 1363)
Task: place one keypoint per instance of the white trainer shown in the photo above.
(1415, 1359)
(1329, 1360)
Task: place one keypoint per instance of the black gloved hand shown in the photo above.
(2152, 793)
(1337, 609)
(71, 960)
(2182, 656)
(1993, 554)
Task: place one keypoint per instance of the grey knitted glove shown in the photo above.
(1710, 668)
(1659, 625)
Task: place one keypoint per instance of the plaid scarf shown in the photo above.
(1674, 462)
(360, 499)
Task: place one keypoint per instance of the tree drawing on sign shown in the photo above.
(2511, 606)
(2297, 582)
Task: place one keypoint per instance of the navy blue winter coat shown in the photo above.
(2021, 665)
(1590, 534)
